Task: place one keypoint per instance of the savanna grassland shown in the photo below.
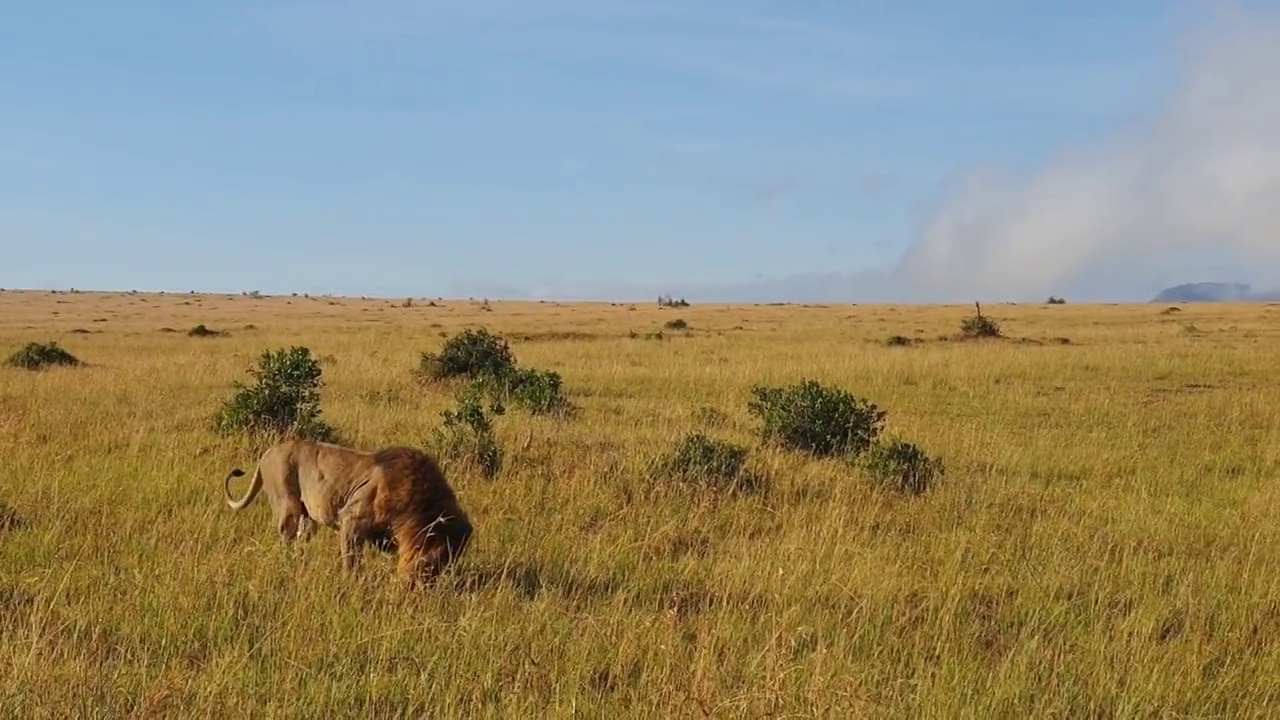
(1104, 542)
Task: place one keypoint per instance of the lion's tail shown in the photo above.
(254, 486)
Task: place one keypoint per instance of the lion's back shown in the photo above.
(411, 480)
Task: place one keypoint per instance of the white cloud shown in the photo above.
(1201, 174)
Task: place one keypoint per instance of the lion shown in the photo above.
(394, 498)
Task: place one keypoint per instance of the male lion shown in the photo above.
(395, 494)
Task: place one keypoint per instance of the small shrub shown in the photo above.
(38, 356)
(1054, 300)
(823, 421)
(668, 301)
(979, 326)
(701, 460)
(473, 353)
(677, 324)
(538, 391)
(202, 331)
(466, 433)
(284, 399)
(900, 341)
(903, 467)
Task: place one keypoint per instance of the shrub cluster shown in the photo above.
(979, 326)
(466, 434)
(903, 467)
(819, 420)
(809, 417)
(538, 391)
(481, 356)
(284, 398)
(701, 460)
(38, 356)
(203, 331)
(471, 354)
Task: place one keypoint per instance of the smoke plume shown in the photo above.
(1201, 176)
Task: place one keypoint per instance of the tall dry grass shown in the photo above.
(1104, 543)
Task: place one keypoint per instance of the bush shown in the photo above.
(979, 326)
(668, 301)
(473, 353)
(823, 421)
(285, 398)
(38, 356)
(903, 467)
(900, 341)
(486, 360)
(677, 324)
(1055, 300)
(700, 460)
(539, 391)
(202, 331)
(466, 434)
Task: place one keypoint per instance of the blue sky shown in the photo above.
(517, 148)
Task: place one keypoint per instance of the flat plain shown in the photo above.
(1104, 542)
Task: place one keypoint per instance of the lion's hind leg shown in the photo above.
(290, 520)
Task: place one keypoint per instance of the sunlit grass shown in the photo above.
(1103, 542)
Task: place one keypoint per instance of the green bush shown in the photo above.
(473, 353)
(823, 421)
(979, 325)
(202, 331)
(486, 359)
(903, 467)
(701, 460)
(38, 356)
(283, 400)
(538, 391)
(466, 433)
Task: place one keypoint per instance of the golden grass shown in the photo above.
(1104, 543)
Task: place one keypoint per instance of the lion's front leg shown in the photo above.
(353, 529)
(351, 540)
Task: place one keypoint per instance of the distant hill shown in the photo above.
(1204, 292)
